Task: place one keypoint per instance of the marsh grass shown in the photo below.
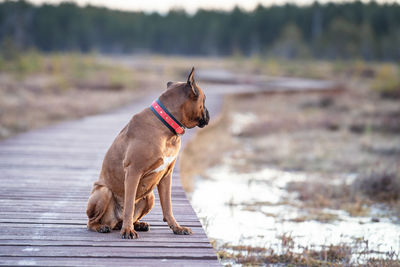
(287, 253)
(355, 198)
(72, 68)
(21, 64)
(379, 186)
(38, 89)
(383, 77)
(387, 81)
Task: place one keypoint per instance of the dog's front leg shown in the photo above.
(131, 184)
(164, 191)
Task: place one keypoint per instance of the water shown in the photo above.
(223, 202)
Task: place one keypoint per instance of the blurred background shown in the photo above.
(304, 143)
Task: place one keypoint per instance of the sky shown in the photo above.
(162, 6)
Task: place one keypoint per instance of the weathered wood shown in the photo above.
(106, 238)
(70, 261)
(83, 243)
(152, 252)
(46, 177)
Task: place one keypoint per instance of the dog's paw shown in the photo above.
(141, 226)
(128, 233)
(180, 230)
(104, 229)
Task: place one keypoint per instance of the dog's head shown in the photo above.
(189, 100)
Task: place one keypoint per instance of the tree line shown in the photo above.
(370, 31)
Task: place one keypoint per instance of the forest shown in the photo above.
(359, 30)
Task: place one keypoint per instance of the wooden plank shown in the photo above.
(62, 229)
(69, 261)
(83, 243)
(183, 210)
(78, 215)
(111, 237)
(152, 252)
(151, 221)
(72, 231)
(16, 217)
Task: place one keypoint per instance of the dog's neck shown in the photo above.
(167, 118)
(173, 104)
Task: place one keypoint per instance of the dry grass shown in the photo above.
(354, 198)
(290, 254)
(387, 81)
(317, 215)
(39, 89)
(384, 187)
(26, 110)
(315, 196)
(314, 132)
(382, 76)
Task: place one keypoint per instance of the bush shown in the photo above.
(387, 81)
(379, 186)
(13, 59)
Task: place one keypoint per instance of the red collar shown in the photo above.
(166, 117)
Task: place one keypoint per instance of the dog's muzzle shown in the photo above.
(204, 119)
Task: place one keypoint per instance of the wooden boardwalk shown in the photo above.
(46, 176)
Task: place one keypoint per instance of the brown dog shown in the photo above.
(143, 156)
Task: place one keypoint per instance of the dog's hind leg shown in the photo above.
(143, 207)
(98, 206)
(112, 216)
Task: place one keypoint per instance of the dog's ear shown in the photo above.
(191, 83)
(169, 84)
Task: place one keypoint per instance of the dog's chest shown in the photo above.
(170, 152)
(158, 170)
(149, 181)
(166, 162)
